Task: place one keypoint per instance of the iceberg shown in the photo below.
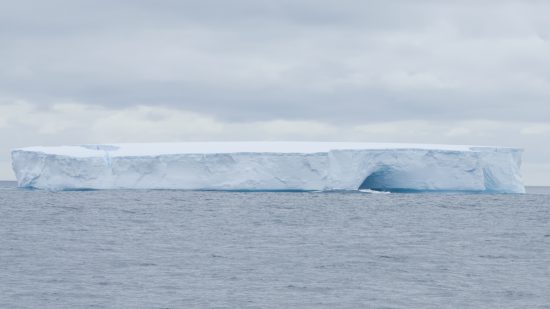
(272, 166)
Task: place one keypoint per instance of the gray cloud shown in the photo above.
(300, 59)
(335, 63)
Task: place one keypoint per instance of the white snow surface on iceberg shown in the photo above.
(270, 166)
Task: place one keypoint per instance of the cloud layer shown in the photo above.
(76, 71)
(76, 123)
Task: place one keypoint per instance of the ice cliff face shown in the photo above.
(270, 166)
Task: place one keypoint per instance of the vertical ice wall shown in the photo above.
(484, 169)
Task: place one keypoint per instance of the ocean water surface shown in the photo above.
(184, 249)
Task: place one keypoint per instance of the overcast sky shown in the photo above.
(458, 72)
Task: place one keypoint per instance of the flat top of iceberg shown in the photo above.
(154, 149)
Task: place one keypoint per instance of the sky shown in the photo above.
(449, 72)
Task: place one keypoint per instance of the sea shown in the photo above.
(208, 249)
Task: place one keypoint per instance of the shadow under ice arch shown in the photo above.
(382, 179)
(403, 179)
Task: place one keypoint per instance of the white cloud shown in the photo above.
(26, 124)
(536, 129)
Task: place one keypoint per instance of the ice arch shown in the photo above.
(383, 179)
(388, 178)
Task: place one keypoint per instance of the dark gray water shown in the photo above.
(178, 249)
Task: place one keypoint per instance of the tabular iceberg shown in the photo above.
(270, 166)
